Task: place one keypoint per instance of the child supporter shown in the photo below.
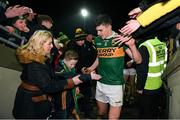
(66, 100)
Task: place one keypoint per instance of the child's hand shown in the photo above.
(10, 29)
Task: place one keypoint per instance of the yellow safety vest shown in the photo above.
(157, 62)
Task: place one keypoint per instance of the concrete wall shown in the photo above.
(9, 81)
(174, 101)
(172, 76)
(10, 71)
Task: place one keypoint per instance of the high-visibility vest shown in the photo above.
(157, 62)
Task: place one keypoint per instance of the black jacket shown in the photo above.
(42, 76)
(3, 5)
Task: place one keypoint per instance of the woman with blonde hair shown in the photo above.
(38, 80)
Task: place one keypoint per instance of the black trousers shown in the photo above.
(148, 104)
(84, 103)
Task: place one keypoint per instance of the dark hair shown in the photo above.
(41, 18)
(103, 19)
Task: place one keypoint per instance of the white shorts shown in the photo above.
(112, 94)
(130, 71)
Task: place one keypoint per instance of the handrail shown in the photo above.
(23, 39)
(9, 42)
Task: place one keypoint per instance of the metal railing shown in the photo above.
(6, 41)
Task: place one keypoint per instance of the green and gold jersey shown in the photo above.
(111, 62)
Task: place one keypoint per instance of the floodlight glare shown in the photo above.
(84, 12)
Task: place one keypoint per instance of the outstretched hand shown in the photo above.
(135, 12)
(16, 10)
(124, 39)
(130, 27)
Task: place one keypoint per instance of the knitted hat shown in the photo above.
(80, 35)
(62, 38)
(17, 18)
(57, 44)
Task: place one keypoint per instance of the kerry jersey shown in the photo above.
(111, 62)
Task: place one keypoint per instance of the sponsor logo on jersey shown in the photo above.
(110, 52)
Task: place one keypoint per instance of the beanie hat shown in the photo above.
(58, 44)
(80, 35)
(17, 18)
(62, 38)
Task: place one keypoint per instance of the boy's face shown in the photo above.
(80, 42)
(47, 24)
(70, 63)
(20, 24)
